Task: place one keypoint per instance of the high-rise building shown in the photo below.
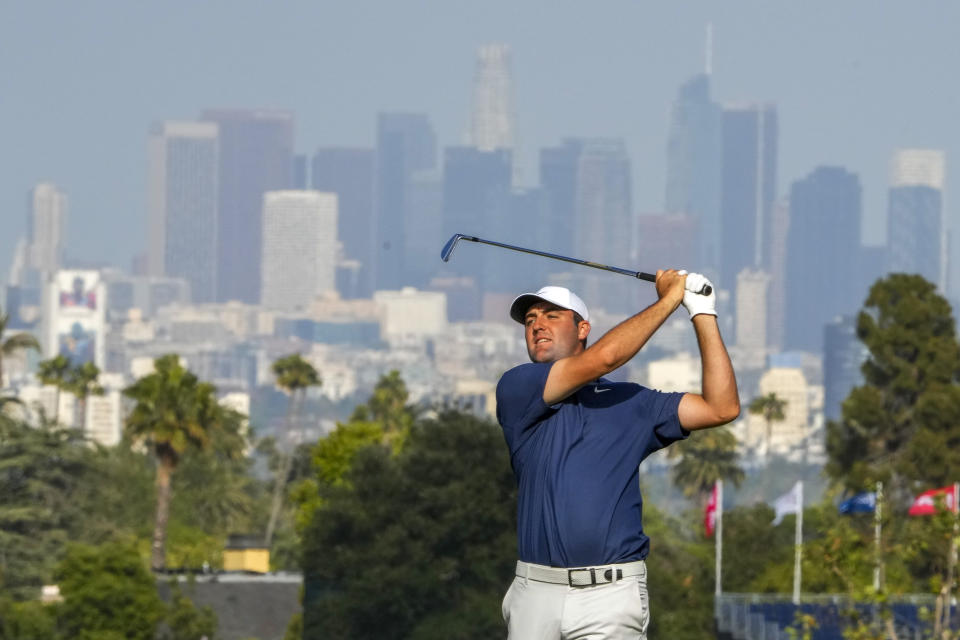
(74, 317)
(916, 242)
(406, 145)
(587, 185)
(790, 436)
(301, 169)
(843, 355)
(491, 124)
(183, 192)
(693, 167)
(476, 194)
(666, 241)
(777, 268)
(256, 156)
(46, 224)
(299, 247)
(559, 167)
(423, 227)
(823, 245)
(350, 173)
(753, 290)
(747, 188)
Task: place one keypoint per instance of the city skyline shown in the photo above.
(80, 118)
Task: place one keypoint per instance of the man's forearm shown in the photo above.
(719, 381)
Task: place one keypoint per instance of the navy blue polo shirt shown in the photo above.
(576, 464)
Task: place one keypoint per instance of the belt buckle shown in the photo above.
(609, 575)
(593, 577)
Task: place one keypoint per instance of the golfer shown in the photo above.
(576, 440)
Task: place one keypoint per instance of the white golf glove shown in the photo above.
(697, 303)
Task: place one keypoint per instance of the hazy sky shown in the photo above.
(80, 83)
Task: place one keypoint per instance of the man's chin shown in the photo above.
(541, 356)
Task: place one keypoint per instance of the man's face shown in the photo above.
(551, 332)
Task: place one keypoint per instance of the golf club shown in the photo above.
(457, 237)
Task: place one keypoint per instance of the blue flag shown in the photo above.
(864, 502)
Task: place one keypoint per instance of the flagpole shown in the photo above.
(798, 545)
(877, 531)
(952, 559)
(718, 585)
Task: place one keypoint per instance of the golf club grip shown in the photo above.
(649, 277)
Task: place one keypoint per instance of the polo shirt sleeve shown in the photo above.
(664, 409)
(520, 402)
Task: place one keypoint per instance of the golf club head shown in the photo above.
(448, 248)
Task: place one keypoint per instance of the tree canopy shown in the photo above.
(433, 529)
(900, 426)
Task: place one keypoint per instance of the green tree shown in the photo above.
(434, 525)
(294, 375)
(107, 592)
(771, 408)
(184, 620)
(82, 382)
(13, 343)
(40, 469)
(55, 372)
(680, 578)
(32, 619)
(369, 424)
(174, 413)
(705, 457)
(900, 426)
(388, 405)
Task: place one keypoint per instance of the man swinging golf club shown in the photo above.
(576, 441)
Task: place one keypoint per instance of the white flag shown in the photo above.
(788, 503)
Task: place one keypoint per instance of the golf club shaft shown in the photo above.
(586, 263)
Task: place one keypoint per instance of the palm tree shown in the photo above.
(388, 405)
(14, 343)
(55, 372)
(704, 458)
(82, 383)
(174, 413)
(294, 375)
(771, 407)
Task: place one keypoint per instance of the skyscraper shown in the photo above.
(183, 193)
(350, 173)
(843, 355)
(299, 247)
(559, 167)
(823, 245)
(693, 167)
(491, 124)
(587, 185)
(476, 192)
(916, 242)
(753, 289)
(256, 156)
(46, 224)
(406, 145)
(747, 188)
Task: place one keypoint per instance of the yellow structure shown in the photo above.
(246, 554)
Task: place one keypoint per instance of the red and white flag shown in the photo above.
(925, 504)
(710, 513)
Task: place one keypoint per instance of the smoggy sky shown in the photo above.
(80, 83)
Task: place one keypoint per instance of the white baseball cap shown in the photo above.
(560, 296)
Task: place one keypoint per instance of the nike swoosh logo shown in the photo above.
(599, 390)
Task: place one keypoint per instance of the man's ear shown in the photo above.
(583, 330)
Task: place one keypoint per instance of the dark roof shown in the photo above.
(247, 606)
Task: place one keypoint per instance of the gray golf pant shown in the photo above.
(542, 610)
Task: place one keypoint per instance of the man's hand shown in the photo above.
(670, 286)
(697, 303)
